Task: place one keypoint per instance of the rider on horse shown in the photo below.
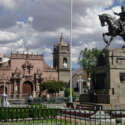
(116, 27)
(122, 17)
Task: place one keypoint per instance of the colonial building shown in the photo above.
(23, 72)
(79, 77)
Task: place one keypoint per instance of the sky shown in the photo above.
(38, 24)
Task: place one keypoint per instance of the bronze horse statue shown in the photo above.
(115, 27)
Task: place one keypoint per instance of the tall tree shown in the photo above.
(67, 93)
(52, 86)
(88, 59)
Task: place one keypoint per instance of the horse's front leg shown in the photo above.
(111, 38)
(106, 40)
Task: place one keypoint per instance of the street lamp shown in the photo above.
(80, 81)
(89, 83)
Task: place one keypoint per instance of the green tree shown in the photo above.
(88, 59)
(52, 86)
(67, 93)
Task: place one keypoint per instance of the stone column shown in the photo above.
(20, 90)
(34, 91)
(9, 90)
(37, 89)
(14, 91)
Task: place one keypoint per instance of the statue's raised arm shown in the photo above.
(121, 14)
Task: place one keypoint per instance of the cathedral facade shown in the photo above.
(22, 73)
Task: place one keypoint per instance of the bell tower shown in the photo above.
(61, 59)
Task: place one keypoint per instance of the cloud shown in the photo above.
(8, 4)
(47, 50)
(7, 37)
(30, 19)
(37, 24)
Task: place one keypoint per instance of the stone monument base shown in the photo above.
(108, 80)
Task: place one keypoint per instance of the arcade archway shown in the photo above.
(2, 89)
(27, 88)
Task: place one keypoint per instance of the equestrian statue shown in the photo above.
(116, 27)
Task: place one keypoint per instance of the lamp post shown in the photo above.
(89, 83)
(80, 81)
(70, 51)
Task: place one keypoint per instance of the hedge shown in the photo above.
(34, 111)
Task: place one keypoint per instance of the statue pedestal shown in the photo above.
(4, 102)
(109, 77)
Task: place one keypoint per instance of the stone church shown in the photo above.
(22, 73)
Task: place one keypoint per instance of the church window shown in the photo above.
(122, 77)
(113, 91)
(65, 62)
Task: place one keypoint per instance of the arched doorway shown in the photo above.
(27, 88)
(2, 89)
